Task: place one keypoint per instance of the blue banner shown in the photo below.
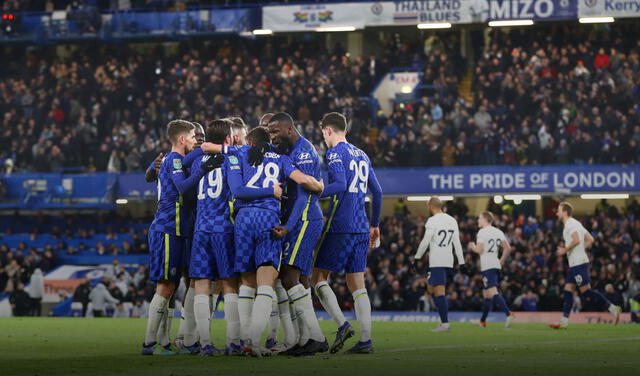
(42, 191)
(556, 179)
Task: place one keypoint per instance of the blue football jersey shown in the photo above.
(171, 216)
(306, 159)
(274, 169)
(347, 213)
(215, 202)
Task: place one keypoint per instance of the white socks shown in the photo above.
(303, 304)
(330, 302)
(246, 298)
(290, 335)
(157, 308)
(233, 318)
(260, 313)
(274, 318)
(202, 315)
(190, 334)
(363, 313)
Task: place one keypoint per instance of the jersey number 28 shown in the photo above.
(271, 173)
(360, 176)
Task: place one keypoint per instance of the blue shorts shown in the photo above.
(343, 252)
(300, 243)
(212, 256)
(254, 244)
(186, 252)
(491, 278)
(165, 256)
(579, 275)
(438, 276)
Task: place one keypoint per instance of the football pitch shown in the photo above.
(72, 346)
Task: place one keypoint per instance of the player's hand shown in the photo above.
(374, 237)
(213, 162)
(321, 187)
(463, 269)
(277, 191)
(158, 162)
(279, 232)
(471, 246)
(561, 251)
(413, 264)
(256, 153)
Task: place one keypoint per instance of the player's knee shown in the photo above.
(305, 281)
(289, 277)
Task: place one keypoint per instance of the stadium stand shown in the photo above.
(553, 100)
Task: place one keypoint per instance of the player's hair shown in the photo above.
(488, 216)
(282, 117)
(335, 120)
(258, 135)
(237, 123)
(567, 208)
(435, 202)
(196, 124)
(266, 118)
(177, 128)
(218, 130)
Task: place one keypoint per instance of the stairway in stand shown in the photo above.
(464, 87)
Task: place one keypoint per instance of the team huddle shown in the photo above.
(259, 232)
(239, 215)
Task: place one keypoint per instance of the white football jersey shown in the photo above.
(578, 255)
(444, 234)
(491, 238)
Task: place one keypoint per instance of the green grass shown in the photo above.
(69, 346)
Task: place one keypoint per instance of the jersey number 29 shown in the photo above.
(215, 185)
(360, 176)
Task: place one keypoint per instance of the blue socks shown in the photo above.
(568, 303)
(443, 308)
(502, 305)
(486, 307)
(598, 298)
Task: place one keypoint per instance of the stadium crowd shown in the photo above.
(542, 96)
(533, 277)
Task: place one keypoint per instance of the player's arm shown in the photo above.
(179, 178)
(476, 247)
(575, 240)
(151, 174)
(307, 182)
(337, 176)
(588, 240)
(188, 159)
(429, 233)
(457, 246)
(376, 208)
(211, 148)
(506, 251)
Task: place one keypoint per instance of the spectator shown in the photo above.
(81, 294)
(36, 292)
(100, 298)
(20, 301)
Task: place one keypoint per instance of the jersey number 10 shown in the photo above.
(360, 176)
